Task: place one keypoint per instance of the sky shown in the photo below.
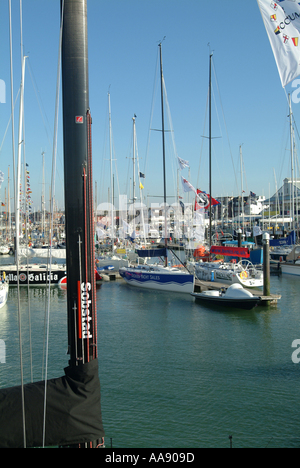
(249, 108)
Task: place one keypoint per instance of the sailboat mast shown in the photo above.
(163, 146)
(210, 137)
(111, 177)
(133, 158)
(80, 258)
(292, 192)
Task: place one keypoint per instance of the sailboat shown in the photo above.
(158, 277)
(66, 411)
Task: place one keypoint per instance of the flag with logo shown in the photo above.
(203, 200)
(282, 22)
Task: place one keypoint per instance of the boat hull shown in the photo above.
(290, 269)
(246, 304)
(4, 287)
(159, 280)
(34, 275)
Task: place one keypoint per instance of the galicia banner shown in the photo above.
(282, 22)
(230, 251)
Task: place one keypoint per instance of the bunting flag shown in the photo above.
(187, 187)
(282, 23)
(182, 163)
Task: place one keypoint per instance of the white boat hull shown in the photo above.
(4, 287)
(164, 279)
(290, 268)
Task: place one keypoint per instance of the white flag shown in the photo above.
(257, 231)
(1, 178)
(126, 227)
(182, 163)
(282, 22)
(187, 187)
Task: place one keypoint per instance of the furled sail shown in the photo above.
(73, 411)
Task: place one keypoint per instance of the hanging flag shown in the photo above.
(187, 187)
(141, 186)
(142, 176)
(182, 163)
(282, 23)
(182, 206)
(1, 178)
(125, 227)
(257, 231)
(203, 200)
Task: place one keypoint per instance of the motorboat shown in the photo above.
(292, 264)
(243, 273)
(234, 297)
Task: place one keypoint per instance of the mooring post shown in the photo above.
(266, 264)
(239, 234)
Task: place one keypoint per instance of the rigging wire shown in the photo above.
(52, 210)
(17, 214)
(235, 176)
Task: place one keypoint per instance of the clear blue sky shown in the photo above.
(123, 48)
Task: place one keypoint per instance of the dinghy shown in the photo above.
(234, 297)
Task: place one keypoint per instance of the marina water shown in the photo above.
(174, 374)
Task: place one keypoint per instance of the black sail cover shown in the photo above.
(73, 411)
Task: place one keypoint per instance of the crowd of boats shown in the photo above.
(163, 266)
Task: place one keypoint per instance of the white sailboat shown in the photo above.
(158, 277)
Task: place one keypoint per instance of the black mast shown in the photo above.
(78, 184)
(66, 411)
(80, 258)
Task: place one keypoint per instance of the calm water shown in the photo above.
(173, 373)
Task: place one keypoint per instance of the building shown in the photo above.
(281, 202)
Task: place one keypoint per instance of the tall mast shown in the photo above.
(242, 187)
(80, 258)
(43, 197)
(111, 177)
(210, 194)
(163, 146)
(292, 208)
(134, 183)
